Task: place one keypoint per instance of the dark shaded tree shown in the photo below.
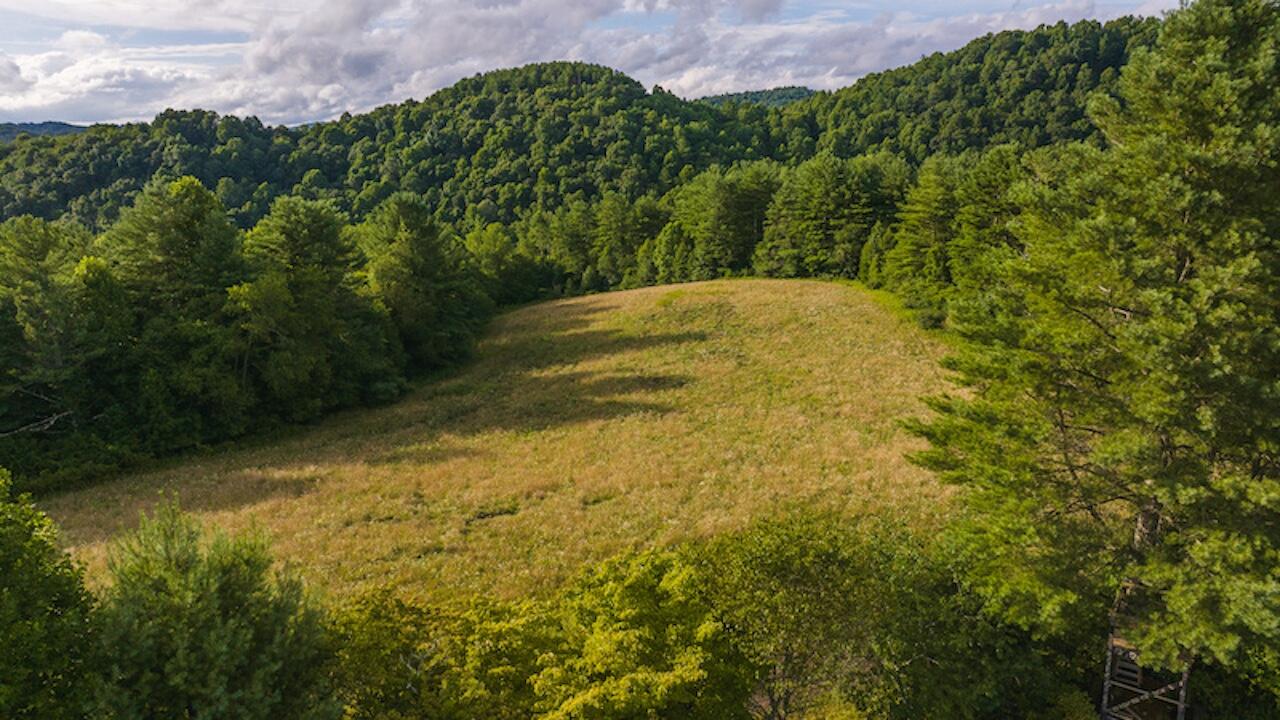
(45, 624)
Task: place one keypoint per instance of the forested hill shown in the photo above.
(10, 131)
(775, 97)
(1025, 87)
(494, 145)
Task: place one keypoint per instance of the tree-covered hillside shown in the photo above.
(774, 97)
(1025, 87)
(10, 131)
(494, 146)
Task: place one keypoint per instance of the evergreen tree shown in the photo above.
(668, 258)
(45, 342)
(723, 213)
(45, 625)
(200, 627)
(615, 239)
(420, 273)
(1124, 418)
(305, 336)
(871, 257)
(824, 212)
(173, 254)
(918, 266)
(176, 248)
(569, 245)
(987, 207)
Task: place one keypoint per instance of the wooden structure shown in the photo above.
(1130, 691)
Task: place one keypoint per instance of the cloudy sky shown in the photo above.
(290, 61)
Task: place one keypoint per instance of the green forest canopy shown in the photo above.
(10, 131)
(494, 146)
(773, 97)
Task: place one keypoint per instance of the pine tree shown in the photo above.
(1123, 423)
(824, 212)
(198, 624)
(919, 265)
(723, 214)
(615, 239)
(176, 248)
(44, 341)
(306, 338)
(174, 254)
(987, 206)
(420, 273)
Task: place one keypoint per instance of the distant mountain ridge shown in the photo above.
(773, 97)
(10, 131)
(496, 146)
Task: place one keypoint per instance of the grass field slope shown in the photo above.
(582, 428)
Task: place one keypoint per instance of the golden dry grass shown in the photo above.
(583, 427)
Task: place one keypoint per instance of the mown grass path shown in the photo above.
(583, 427)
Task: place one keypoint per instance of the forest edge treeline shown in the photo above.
(546, 180)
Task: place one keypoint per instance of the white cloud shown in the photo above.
(242, 15)
(304, 61)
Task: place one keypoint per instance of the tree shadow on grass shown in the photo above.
(526, 377)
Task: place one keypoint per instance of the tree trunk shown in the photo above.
(1146, 527)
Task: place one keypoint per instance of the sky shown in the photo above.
(294, 61)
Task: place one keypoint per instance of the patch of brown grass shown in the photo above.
(583, 427)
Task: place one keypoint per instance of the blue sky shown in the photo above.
(290, 61)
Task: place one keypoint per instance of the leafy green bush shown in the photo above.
(638, 640)
(842, 618)
(631, 638)
(403, 659)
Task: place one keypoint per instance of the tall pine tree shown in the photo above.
(1123, 422)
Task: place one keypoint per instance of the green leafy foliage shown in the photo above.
(868, 619)
(638, 640)
(632, 638)
(775, 97)
(806, 616)
(405, 659)
(1025, 87)
(45, 623)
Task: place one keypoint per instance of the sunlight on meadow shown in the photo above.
(583, 427)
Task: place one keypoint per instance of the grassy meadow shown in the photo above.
(581, 428)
